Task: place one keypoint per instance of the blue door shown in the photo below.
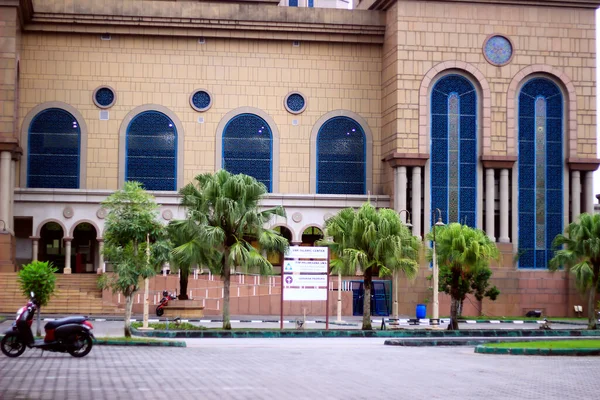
(381, 299)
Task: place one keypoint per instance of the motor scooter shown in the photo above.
(71, 335)
(164, 302)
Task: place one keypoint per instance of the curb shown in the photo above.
(314, 333)
(537, 352)
(110, 342)
(433, 343)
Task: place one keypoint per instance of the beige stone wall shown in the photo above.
(424, 34)
(238, 73)
(9, 45)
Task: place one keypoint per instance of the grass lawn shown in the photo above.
(549, 344)
(485, 318)
(161, 326)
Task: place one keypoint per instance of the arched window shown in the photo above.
(248, 148)
(454, 149)
(341, 157)
(540, 169)
(53, 150)
(151, 151)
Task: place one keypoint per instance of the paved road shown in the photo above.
(340, 368)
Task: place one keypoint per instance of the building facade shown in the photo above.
(475, 111)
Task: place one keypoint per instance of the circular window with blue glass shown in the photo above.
(295, 102)
(104, 97)
(200, 100)
(498, 50)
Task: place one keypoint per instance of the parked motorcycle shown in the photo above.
(71, 335)
(164, 302)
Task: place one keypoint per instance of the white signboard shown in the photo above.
(319, 253)
(304, 287)
(299, 294)
(305, 280)
(305, 266)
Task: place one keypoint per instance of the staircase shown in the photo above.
(74, 294)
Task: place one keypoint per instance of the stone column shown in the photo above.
(589, 192)
(67, 269)
(504, 206)
(5, 159)
(575, 195)
(416, 201)
(489, 203)
(11, 200)
(101, 267)
(35, 240)
(400, 181)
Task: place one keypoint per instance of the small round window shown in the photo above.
(104, 97)
(200, 100)
(295, 103)
(498, 50)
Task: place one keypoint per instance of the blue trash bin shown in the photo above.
(421, 311)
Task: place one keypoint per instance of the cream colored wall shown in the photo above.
(164, 71)
(422, 34)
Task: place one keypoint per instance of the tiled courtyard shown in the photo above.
(295, 369)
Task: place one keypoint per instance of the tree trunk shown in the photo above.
(366, 324)
(128, 308)
(454, 304)
(592, 324)
(460, 307)
(226, 283)
(455, 300)
(183, 284)
(38, 330)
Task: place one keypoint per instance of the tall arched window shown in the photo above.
(540, 169)
(454, 149)
(151, 151)
(248, 148)
(53, 150)
(341, 157)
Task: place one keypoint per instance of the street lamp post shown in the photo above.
(396, 274)
(435, 320)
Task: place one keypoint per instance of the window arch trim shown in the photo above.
(274, 141)
(314, 134)
(123, 140)
(83, 139)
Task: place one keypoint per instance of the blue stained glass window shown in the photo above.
(53, 150)
(341, 157)
(248, 148)
(540, 171)
(151, 151)
(454, 149)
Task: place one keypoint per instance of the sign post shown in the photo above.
(305, 277)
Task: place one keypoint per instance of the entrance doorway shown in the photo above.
(84, 248)
(51, 247)
(311, 235)
(381, 297)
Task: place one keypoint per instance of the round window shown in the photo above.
(104, 97)
(295, 103)
(200, 100)
(498, 50)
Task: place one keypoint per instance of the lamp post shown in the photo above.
(395, 288)
(435, 320)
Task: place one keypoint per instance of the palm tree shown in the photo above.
(374, 242)
(223, 217)
(464, 251)
(581, 254)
